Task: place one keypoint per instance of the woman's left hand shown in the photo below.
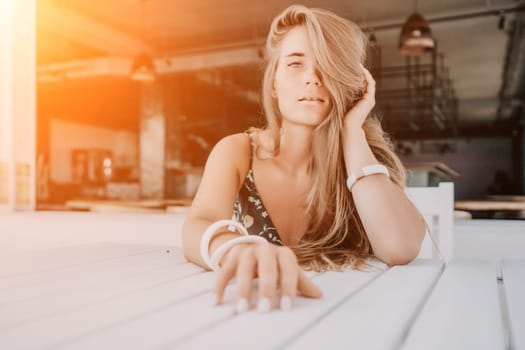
(356, 116)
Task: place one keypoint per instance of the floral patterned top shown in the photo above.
(249, 209)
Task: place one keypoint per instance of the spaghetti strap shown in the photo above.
(251, 148)
(249, 208)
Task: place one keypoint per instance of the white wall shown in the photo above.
(66, 136)
(6, 73)
(6, 103)
(17, 103)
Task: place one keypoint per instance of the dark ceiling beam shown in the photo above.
(437, 19)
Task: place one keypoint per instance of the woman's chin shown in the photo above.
(306, 121)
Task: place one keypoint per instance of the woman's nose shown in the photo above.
(312, 77)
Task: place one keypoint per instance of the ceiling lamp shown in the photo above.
(372, 38)
(143, 67)
(416, 37)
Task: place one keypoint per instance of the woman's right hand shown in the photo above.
(275, 266)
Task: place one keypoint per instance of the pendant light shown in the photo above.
(416, 36)
(143, 67)
(372, 38)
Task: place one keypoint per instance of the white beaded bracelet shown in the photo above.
(365, 171)
(223, 248)
(211, 231)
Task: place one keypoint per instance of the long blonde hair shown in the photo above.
(335, 237)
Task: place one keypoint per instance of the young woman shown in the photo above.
(319, 187)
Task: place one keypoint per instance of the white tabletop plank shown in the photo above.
(72, 298)
(463, 311)
(63, 257)
(132, 297)
(378, 315)
(171, 325)
(99, 314)
(103, 313)
(254, 330)
(23, 287)
(514, 281)
(34, 279)
(172, 322)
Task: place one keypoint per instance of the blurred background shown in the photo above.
(121, 101)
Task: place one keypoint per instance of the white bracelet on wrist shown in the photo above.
(223, 248)
(365, 171)
(212, 231)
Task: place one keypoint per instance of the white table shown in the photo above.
(116, 296)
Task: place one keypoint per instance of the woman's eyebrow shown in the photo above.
(295, 54)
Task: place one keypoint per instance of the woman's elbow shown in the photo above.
(399, 259)
(401, 254)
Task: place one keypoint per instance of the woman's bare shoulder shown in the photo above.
(233, 146)
(233, 150)
(234, 140)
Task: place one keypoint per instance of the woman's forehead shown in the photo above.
(296, 43)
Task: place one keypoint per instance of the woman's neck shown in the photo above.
(295, 149)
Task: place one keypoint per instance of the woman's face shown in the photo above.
(298, 86)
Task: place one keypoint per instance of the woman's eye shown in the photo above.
(294, 64)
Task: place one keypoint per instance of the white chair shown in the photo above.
(436, 204)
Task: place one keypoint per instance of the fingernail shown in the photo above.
(286, 303)
(242, 305)
(264, 305)
(362, 66)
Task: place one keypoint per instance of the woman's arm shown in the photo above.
(275, 266)
(394, 226)
(215, 197)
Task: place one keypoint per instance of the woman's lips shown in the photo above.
(311, 99)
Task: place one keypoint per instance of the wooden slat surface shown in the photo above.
(63, 257)
(63, 297)
(378, 316)
(514, 281)
(277, 328)
(115, 296)
(25, 286)
(463, 311)
(108, 297)
(169, 326)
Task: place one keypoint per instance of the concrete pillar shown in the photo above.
(17, 103)
(152, 142)
(518, 160)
